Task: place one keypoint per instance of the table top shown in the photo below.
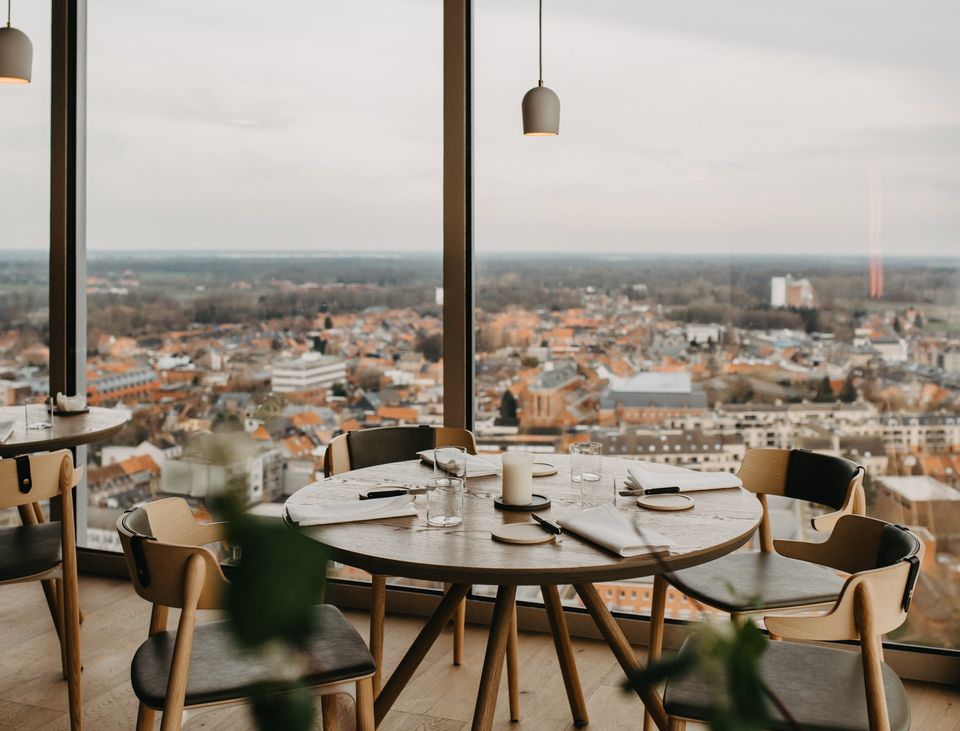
(66, 432)
(719, 523)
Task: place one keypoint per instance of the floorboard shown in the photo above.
(439, 698)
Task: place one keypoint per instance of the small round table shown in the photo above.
(463, 555)
(66, 432)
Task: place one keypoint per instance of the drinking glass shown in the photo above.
(585, 461)
(445, 501)
(450, 461)
(35, 414)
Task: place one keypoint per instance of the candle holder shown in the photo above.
(538, 502)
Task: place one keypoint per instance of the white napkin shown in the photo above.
(649, 475)
(303, 514)
(6, 429)
(476, 466)
(608, 527)
(71, 403)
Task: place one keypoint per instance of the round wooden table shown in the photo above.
(720, 522)
(66, 432)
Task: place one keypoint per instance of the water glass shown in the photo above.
(35, 415)
(445, 501)
(450, 461)
(585, 461)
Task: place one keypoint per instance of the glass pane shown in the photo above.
(743, 236)
(264, 236)
(25, 224)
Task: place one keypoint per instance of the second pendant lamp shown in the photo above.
(16, 54)
(541, 105)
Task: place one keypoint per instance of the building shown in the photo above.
(557, 398)
(924, 501)
(138, 383)
(647, 398)
(213, 463)
(789, 292)
(310, 372)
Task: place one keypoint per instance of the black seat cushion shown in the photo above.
(221, 671)
(29, 549)
(822, 687)
(744, 582)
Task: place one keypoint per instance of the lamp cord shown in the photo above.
(540, 28)
(8, 13)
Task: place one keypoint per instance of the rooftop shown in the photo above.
(919, 488)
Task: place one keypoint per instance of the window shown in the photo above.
(25, 225)
(747, 206)
(264, 219)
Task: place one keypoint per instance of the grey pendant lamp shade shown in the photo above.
(541, 105)
(16, 54)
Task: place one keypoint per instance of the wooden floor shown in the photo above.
(440, 698)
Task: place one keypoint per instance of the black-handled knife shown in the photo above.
(547, 525)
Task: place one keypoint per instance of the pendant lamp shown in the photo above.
(541, 105)
(16, 54)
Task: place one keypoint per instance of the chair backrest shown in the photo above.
(158, 541)
(883, 561)
(800, 474)
(35, 477)
(370, 447)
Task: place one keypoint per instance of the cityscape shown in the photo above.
(246, 366)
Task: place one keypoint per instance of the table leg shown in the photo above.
(378, 609)
(513, 666)
(493, 659)
(568, 666)
(621, 649)
(418, 650)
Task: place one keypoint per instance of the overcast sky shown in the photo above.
(720, 126)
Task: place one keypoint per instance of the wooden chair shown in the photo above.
(46, 551)
(381, 445)
(745, 583)
(201, 665)
(825, 687)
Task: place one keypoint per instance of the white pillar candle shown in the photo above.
(517, 478)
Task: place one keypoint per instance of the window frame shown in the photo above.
(68, 306)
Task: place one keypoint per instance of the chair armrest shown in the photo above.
(853, 503)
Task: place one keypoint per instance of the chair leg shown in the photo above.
(378, 608)
(71, 625)
(365, 717)
(145, 718)
(59, 623)
(655, 647)
(513, 667)
(180, 665)
(459, 627)
(328, 711)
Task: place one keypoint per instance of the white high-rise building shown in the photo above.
(778, 291)
(307, 373)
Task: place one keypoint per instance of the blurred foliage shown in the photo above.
(726, 656)
(269, 602)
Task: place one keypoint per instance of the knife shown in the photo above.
(547, 525)
(649, 491)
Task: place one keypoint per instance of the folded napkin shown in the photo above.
(476, 466)
(304, 514)
(648, 475)
(608, 527)
(6, 429)
(71, 403)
